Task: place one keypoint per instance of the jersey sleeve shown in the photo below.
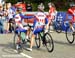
(26, 17)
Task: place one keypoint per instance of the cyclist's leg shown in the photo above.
(33, 37)
(28, 33)
(31, 42)
(71, 26)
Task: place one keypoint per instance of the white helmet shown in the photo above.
(40, 7)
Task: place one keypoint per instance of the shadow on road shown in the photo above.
(64, 43)
(8, 48)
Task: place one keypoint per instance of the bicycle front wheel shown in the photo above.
(48, 41)
(70, 35)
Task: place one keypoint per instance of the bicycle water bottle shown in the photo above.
(41, 34)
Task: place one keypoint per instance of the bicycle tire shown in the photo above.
(38, 40)
(69, 36)
(49, 41)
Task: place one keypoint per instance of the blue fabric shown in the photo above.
(25, 17)
(20, 30)
(69, 16)
(38, 30)
(61, 16)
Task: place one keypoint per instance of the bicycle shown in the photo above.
(70, 34)
(46, 39)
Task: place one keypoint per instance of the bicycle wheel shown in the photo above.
(48, 41)
(70, 35)
(38, 40)
(17, 46)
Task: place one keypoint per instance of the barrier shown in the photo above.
(61, 16)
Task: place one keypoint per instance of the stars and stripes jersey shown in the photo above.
(20, 17)
(40, 20)
(72, 12)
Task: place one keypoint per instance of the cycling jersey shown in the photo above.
(71, 11)
(19, 17)
(39, 22)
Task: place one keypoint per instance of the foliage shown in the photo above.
(60, 4)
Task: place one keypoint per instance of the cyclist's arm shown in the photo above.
(46, 25)
(70, 11)
(26, 17)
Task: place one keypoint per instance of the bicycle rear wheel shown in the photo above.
(48, 41)
(70, 35)
(38, 40)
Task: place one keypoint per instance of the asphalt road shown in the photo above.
(62, 49)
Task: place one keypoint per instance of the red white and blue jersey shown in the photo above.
(41, 20)
(19, 19)
(71, 11)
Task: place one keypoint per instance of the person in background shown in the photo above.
(9, 13)
(1, 19)
(22, 5)
(52, 13)
(29, 7)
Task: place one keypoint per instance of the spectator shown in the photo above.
(52, 14)
(21, 5)
(1, 19)
(10, 12)
(29, 7)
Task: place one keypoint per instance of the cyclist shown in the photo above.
(40, 23)
(19, 17)
(71, 11)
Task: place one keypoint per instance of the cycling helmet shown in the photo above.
(40, 7)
